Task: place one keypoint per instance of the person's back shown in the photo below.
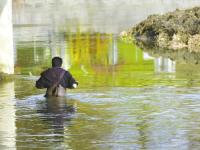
(56, 79)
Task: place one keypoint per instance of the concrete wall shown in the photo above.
(110, 16)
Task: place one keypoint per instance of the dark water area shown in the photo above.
(128, 97)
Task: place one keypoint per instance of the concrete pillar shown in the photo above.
(6, 37)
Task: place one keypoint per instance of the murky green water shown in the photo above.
(126, 99)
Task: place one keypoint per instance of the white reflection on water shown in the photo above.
(7, 116)
(164, 65)
(113, 51)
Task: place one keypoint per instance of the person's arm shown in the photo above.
(41, 82)
(71, 82)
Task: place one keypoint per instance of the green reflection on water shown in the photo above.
(121, 101)
(106, 111)
(94, 59)
(32, 59)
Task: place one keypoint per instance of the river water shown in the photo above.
(126, 98)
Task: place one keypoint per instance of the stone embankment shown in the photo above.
(176, 30)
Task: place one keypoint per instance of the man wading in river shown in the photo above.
(56, 79)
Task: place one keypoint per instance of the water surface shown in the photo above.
(127, 98)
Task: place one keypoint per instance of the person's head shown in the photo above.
(56, 62)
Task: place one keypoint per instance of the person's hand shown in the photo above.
(75, 85)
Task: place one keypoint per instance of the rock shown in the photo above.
(125, 36)
(163, 40)
(194, 43)
(174, 30)
(178, 42)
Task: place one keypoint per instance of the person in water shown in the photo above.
(56, 79)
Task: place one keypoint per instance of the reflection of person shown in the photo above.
(56, 79)
(60, 105)
(59, 112)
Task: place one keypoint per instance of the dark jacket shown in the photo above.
(52, 75)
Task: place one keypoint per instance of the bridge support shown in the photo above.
(6, 37)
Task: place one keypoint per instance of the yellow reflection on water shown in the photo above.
(83, 50)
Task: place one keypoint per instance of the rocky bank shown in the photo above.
(176, 30)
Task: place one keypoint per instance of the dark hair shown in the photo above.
(56, 62)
